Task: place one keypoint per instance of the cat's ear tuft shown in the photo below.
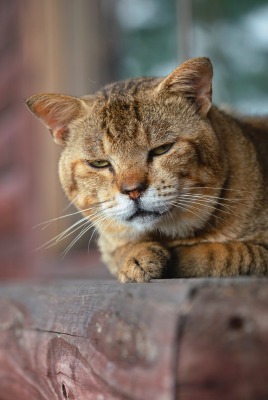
(56, 111)
(192, 79)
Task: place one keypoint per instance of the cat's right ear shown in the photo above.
(56, 111)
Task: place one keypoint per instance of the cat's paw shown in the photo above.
(146, 261)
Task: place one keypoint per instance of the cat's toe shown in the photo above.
(134, 272)
(148, 262)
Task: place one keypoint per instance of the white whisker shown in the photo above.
(69, 231)
(211, 197)
(84, 230)
(90, 224)
(201, 200)
(62, 235)
(186, 209)
(95, 231)
(203, 205)
(71, 203)
(93, 206)
(217, 188)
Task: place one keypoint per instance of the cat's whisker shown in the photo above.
(204, 202)
(95, 231)
(58, 218)
(199, 195)
(71, 203)
(99, 220)
(211, 197)
(170, 213)
(186, 209)
(71, 233)
(97, 213)
(217, 188)
(67, 232)
(69, 215)
(62, 235)
(193, 199)
(195, 206)
(230, 206)
(208, 203)
(89, 225)
(84, 230)
(48, 223)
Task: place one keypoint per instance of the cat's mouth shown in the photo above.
(144, 215)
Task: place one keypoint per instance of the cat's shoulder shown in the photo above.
(248, 124)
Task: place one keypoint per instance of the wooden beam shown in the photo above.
(184, 339)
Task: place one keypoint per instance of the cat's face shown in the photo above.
(137, 153)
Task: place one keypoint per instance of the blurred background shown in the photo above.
(74, 47)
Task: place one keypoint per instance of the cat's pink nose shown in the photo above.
(133, 191)
(134, 194)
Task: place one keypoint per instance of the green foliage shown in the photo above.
(232, 33)
(151, 43)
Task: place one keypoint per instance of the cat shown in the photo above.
(174, 186)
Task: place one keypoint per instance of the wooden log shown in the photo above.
(101, 340)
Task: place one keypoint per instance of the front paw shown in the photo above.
(146, 261)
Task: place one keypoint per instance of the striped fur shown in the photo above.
(199, 208)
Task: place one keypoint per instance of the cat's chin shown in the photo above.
(144, 220)
(142, 215)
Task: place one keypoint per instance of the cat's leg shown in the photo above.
(220, 259)
(141, 262)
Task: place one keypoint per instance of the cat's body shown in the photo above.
(174, 186)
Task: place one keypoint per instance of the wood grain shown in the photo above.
(98, 340)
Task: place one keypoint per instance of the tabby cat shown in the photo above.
(174, 186)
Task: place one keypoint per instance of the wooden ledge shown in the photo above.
(199, 339)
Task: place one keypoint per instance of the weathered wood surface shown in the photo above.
(101, 340)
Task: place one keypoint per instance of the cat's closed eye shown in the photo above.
(158, 151)
(99, 163)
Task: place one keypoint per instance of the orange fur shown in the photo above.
(182, 187)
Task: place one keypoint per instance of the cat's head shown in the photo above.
(135, 150)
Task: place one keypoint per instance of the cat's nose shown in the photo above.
(134, 191)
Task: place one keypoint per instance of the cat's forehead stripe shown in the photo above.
(120, 114)
(136, 110)
(120, 108)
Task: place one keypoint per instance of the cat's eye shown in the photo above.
(99, 164)
(158, 151)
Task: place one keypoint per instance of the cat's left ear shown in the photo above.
(193, 80)
(56, 111)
